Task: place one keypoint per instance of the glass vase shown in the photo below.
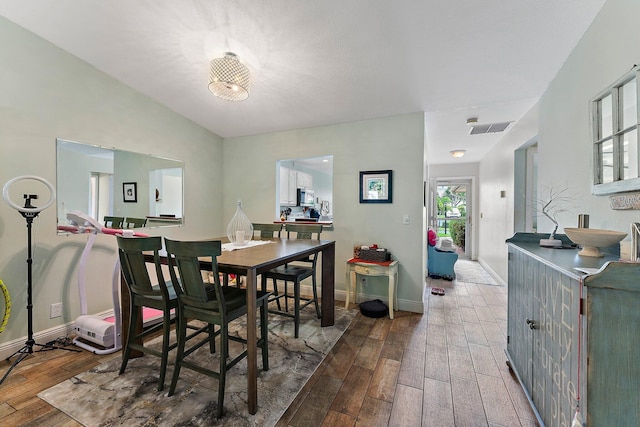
(240, 229)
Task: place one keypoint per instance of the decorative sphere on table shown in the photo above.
(240, 228)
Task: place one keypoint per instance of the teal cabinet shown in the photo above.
(613, 343)
(542, 327)
(551, 342)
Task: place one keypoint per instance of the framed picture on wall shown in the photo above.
(130, 192)
(376, 186)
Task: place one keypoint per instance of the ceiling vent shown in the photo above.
(489, 128)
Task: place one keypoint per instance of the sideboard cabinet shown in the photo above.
(558, 332)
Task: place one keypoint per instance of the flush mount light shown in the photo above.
(458, 153)
(229, 79)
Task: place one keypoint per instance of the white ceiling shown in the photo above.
(323, 62)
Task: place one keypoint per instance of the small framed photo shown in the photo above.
(130, 192)
(376, 186)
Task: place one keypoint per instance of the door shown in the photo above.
(451, 211)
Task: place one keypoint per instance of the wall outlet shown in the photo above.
(55, 310)
(406, 219)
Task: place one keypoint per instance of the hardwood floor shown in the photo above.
(445, 367)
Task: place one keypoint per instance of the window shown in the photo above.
(615, 137)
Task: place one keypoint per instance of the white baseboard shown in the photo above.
(9, 348)
(404, 305)
(42, 337)
(491, 272)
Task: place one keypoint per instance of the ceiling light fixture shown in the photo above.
(229, 79)
(471, 121)
(458, 153)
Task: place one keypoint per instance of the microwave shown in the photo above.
(305, 198)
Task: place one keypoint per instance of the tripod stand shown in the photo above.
(29, 212)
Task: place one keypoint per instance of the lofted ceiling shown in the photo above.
(323, 62)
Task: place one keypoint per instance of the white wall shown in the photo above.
(47, 93)
(395, 143)
(607, 51)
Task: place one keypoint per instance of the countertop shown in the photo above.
(564, 259)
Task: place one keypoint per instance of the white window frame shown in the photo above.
(619, 184)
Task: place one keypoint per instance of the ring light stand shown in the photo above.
(29, 213)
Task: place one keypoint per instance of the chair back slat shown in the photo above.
(184, 265)
(267, 230)
(135, 222)
(134, 266)
(304, 231)
(113, 221)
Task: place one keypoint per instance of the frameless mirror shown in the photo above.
(138, 190)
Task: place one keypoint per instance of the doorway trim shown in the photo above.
(470, 249)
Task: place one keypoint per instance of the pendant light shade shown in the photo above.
(229, 79)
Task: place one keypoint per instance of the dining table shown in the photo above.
(250, 262)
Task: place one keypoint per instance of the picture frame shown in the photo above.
(376, 186)
(130, 192)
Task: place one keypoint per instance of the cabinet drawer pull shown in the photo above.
(531, 323)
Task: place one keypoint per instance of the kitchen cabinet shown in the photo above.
(304, 180)
(549, 341)
(288, 187)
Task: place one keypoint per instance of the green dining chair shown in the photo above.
(225, 305)
(135, 222)
(147, 292)
(113, 221)
(266, 230)
(295, 272)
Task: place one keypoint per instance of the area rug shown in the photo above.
(101, 397)
(472, 271)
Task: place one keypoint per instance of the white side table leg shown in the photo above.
(392, 285)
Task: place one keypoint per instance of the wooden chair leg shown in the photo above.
(182, 336)
(264, 334)
(126, 354)
(166, 329)
(315, 296)
(224, 349)
(296, 302)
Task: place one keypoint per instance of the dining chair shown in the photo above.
(135, 222)
(222, 307)
(145, 292)
(295, 273)
(113, 221)
(266, 230)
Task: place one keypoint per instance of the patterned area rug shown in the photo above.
(101, 397)
(472, 271)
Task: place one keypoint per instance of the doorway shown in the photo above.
(452, 213)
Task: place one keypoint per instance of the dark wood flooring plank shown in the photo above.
(383, 382)
(316, 405)
(369, 353)
(351, 394)
(374, 413)
(338, 419)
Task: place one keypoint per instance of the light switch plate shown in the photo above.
(406, 220)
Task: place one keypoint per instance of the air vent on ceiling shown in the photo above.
(489, 128)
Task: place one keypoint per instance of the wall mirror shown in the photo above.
(143, 190)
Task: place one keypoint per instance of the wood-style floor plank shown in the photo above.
(445, 367)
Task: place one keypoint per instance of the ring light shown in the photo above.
(5, 194)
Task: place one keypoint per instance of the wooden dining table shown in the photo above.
(253, 261)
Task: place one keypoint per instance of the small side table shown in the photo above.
(372, 269)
